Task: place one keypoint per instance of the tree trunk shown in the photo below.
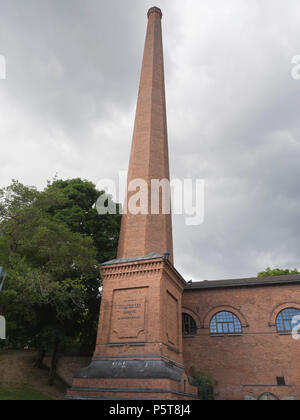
(39, 361)
(54, 361)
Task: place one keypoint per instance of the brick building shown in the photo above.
(240, 332)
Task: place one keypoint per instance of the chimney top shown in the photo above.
(155, 10)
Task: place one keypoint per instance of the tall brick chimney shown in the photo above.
(139, 351)
(143, 234)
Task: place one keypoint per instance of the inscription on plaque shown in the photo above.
(129, 315)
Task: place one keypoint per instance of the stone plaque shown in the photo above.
(128, 322)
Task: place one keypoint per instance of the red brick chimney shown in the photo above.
(143, 234)
(139, 349)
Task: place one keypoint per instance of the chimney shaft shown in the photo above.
(142, 234)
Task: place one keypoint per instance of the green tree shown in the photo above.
(78, 212)
(50, 246)
(277, 272)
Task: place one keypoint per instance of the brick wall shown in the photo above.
(245, 365)
(68, 366)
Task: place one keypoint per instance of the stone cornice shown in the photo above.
(132, 269)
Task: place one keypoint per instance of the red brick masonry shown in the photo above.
(139, 346)
(145, 233)
(247, 364)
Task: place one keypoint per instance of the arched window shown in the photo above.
(267, 396)
(225, 323)
(284, 320)
(189, 326)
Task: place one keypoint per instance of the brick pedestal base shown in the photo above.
(140, 380)
(139, 347)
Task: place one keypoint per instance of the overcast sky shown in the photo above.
(67, 108)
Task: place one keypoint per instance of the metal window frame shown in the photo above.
(284, 318)
(189, 326)
(235, 323)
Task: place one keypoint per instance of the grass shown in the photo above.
(22, 393)
(21, 381)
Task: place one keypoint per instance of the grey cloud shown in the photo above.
(68, 107)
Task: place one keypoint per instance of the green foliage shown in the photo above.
(22, 393)
(80, 215)
(205, 384)
(50, 245)
(277, 272)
